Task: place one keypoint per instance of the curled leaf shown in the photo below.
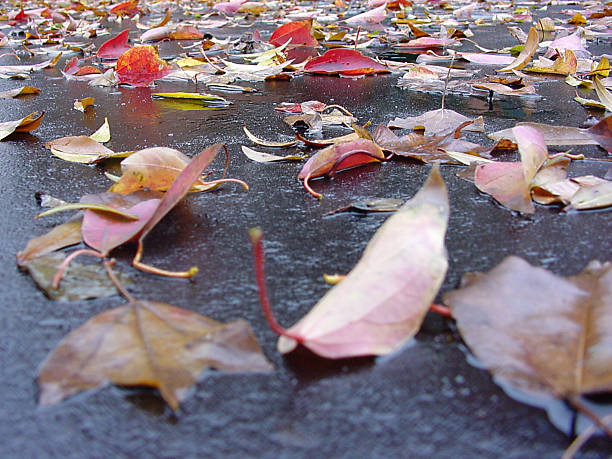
(25, 124)
(79, 149)
(530, 48)
(115, 47)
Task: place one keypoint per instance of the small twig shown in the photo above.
(115, 280)
(62, 267)
(446, 81)
(581, 439)
(357, 36)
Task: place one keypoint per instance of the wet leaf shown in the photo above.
(79, 149)
(140, 66)
(262, 157)
(153, 168)
(506, 90)
(83, 104)
(61, 236)
(146, 343)
(103, 231)
(381, 303)
(266, 143)
(438, 122)
(591, 197)
(337, 157)
(206, 99)
(186, 32)
(24, 90)
(25, 124)
(94, 205)
(115, 47)
(531, 46)
(371, 205)
(299, 32)
(344, 61)
(128, 8)
(552, 134)
(80, 282)
(565, 65)
(509, 182)
(102, 134)
(537, 332)
(602, 133)
(373, 16)
(605, 97)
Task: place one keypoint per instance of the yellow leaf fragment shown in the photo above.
(81, 105)
(530, 48)
(103, 134)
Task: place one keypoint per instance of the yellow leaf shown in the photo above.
(103, 134)
(82, 104)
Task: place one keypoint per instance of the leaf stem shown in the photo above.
(256, 236)
(441, 309)
(116, 282)
(62, 267)
(158, 271)
(577, 403)
(581, 439)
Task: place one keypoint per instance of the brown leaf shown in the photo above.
(538, 332)
(61, 236)
(25, 124)
(530, 48)
(146, 343)
(79, 149)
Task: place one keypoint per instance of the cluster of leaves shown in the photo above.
(382, 302)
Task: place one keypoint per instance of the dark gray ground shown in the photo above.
(425, 401)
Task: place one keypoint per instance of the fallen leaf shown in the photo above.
(146, 343)
(601, 133)
(373, 16)
(509, 182)
(438, 122)
(81, 282)
(591, 197)
(370, 205)
(299, 32)
(83, 104)
(344, 61)
(24, 90)
(565, 65)
(266, 143)
(115, 47)
(186, 32)
(552, 134)
(25, 124)
(337, 157)
(102, 134)
(542, 334)
(79, 149)
(140, 66)
(155, 169)
(530, 48)
(572, 42)
(506, 90)
(261, 157)
(605, 97)
(206, 99)
(156, 34)
(401, 270)
(61, 236)
(128, 8)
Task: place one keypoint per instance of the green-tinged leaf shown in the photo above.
(80, 282)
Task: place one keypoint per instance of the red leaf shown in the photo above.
(72, 68)
(602, 133)
(140, 65)
(337, 157)
(297, 31)
(186, 32)
(115, 47)
(344, 61)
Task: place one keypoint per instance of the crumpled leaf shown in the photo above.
(381, 303)
(509, 182)
(82, 104)
(442, 121)
(115, 47)
(299, 32)
(530, 48)
(147, 343)
(337, 157)
(371, 205)
(79, 149)
(542, 334)
(140, 66)
(61, 236)
(81, 282)
(25, 124)
(262, 157)
(344, 61)
(24, 90)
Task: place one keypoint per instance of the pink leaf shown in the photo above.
(115, 47)
(374, 16)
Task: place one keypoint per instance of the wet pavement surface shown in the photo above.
(425, 401)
